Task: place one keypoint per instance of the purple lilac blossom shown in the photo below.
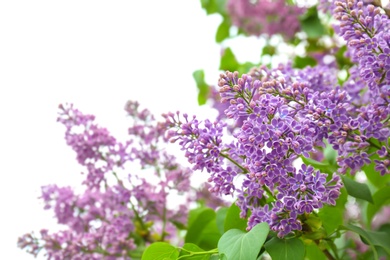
(109, 217)
(284, 115)
(365, 28)
(265, 17)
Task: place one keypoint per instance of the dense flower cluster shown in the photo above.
(286, 114)
(118, 213)
(365, 28)
(268, 148)
(265, 17)
(282, 121)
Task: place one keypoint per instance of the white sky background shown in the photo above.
(97, 55)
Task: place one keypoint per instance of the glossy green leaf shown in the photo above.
(238, 245)
(198, 219)
(202, 228)
(203, 87)
(312, 252)
(330, 154)
(229, 61)
(268, 50)
(285, 249)
(233, 220)
(209, 236)
(380, 198)
(323, 167)
(342, 59)
(311, 24)
(333, 216)
(374, 176)
(214, 6)
(189, 249)
(371, 238)
(302, 62)
(223, 31)
(220, 219)
(357, 189)
(160, 251)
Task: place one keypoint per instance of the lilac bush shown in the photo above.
(119, 211)
(297, 159)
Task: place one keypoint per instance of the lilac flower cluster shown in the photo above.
(286, 114)
(265, 17)
(118, 213)
(365, 28)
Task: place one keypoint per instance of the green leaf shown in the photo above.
(160, 251)
(285, 249)
(302, 62)
(228, 61)
(203, 87)
(323, 167)
(233, 220)
(188, 249)
(311, 24)
(357, 189)
(223, 31)
(236, 244)
(333, 216)
(313, 252)
(194, 213)
(214, 6)
(209, 236)
(220, 219)
(179, 225)
(380, 198)
(373, 175)
(268, 50)
(215, 257)
(371, 238)
(330, 154)
(380, 239)
(342, 60)
(202, 228)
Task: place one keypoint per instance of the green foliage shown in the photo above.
(357, 189)
(374, 176)
(202, 228)
(371, 238)
(220, 218)
(322, 166)
(238, 245)
(233, 220)
(380, 198)
(302, 62)
(203, 87)
(312, 251)
(330, 155)
(222, 234)
(223, 31)
(160, 251)
(311, 23)
(333, 216)
(284, 249)
(214, 6)
(229, 61)
(193, 252)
